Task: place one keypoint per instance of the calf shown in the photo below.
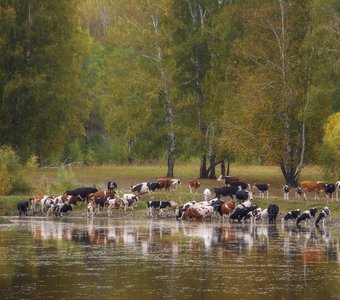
(316, 186)
(298, 192)
(130, 200)
(286, 189)
(263, 188)
(91, 208)
(175, 183)
(22, 207)
(227, 179)
(206, 195)
(194, 185)
(291, 215)
(273, 211)
(329, 190)
(115, 203)
(112, 186)
(159, 205)
(306, 215)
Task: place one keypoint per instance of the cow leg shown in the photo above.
(190, 189)
(304, 196)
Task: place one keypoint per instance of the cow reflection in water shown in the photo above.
(315, 243)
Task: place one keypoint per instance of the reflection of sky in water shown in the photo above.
(169, 259)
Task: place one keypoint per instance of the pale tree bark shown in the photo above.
(198, 15)
(171, 147)
(292, 162)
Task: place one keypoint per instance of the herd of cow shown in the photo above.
(240, 210)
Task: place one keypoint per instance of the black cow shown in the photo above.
(22, 207)
(240, 184)
(306, 215)
(329, 190)
(152, 205)
(273, 211)
(100, 202)
(225, 191)
(112, 186)
(291, 215)
(83, 192)
(263, 188)
(244, 195)
(323, 215)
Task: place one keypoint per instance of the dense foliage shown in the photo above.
(126, 81)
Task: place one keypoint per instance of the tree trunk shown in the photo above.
(223, 167)
(130, 156)
(168, 105)
(292, 178)
(203, 167)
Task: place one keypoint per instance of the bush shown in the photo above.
(63, 182)
(12, 178)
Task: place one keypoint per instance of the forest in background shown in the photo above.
(131, 81)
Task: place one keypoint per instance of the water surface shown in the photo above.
(166, 259)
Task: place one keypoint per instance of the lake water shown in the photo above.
(166, 259)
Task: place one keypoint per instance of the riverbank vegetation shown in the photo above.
(169, 82)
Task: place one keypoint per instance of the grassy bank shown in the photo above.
(125, 176)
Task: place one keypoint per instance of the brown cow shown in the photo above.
(227, 208)
(165, 183)
(194, 185)
(101, 194)
(227, 179)
(309, 186)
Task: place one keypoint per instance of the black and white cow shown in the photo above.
(323, 215)
(291, 215)
(298, 192)
(262, 188)
(273, 211)
(130, 200)
(329, 190)
(59, 209)
(306, 215)
(159, 205)
(112, 186)
(286, 189)
(145, 187)
(22, 207)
